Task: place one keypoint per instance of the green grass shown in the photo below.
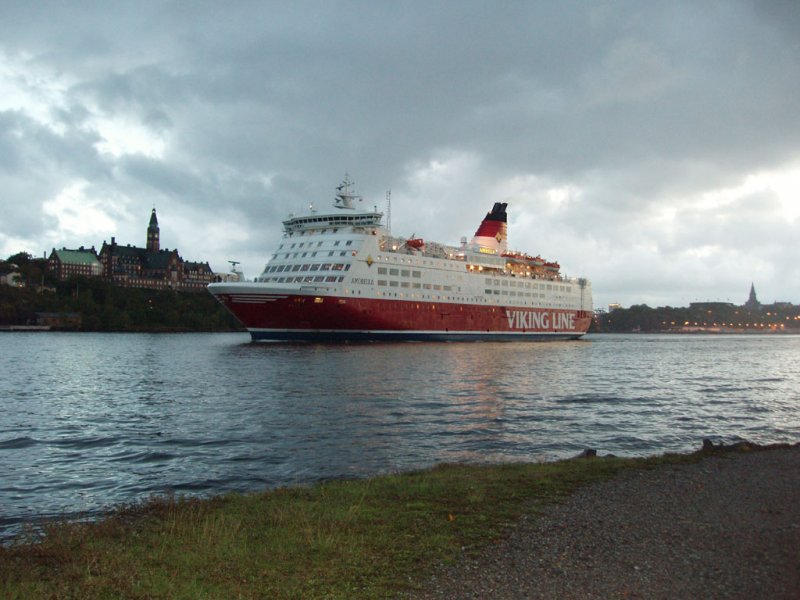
(373, 538)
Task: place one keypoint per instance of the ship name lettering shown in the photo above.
(522, 319)
(360, 281)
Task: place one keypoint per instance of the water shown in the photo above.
(93, 420)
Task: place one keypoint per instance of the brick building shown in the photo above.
(152, 267)
(82, 262)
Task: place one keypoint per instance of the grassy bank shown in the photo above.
(370, 538)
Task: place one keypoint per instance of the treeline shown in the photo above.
(101, 306)
(641, 317)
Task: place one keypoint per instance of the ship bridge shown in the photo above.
(315, 221)
(350, 217)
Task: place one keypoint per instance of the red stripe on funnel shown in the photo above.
(490, 228)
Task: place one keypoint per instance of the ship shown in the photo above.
(340, 275)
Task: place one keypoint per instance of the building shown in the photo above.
(752, 302)
(152, 267)
(56, 320)
(13, 279)
(82, 262)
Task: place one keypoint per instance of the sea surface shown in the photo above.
(88, 421)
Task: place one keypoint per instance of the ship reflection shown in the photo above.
(418, 403)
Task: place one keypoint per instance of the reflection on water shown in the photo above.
(95, 419)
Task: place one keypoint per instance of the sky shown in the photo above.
(652, 147)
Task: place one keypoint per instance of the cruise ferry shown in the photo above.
(341, 275)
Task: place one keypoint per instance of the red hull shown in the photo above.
(273, 316)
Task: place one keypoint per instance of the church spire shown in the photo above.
(153, 243)
(752, 301)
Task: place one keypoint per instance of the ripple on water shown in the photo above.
(202, 414)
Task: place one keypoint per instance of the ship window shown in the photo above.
(325, 267)
(437, 287)
(549, 286)
(300, 245)
(319, 244)
(280, 268)
(488, 281)
(296, 268)
(334, 230)
(393, 271)
(330, 279)
(426, 286)
(404, 273)
(404, 284)
(349, 243)
(330, 253)
(487, 291)
(314, 268)
(381, 270)
(416, 274)
(513, 294)
(416, 286)
(392, 284)
(347, 267)
(308, 279)
(505, 284)
(338, 267)
(313, 254)
(305, 267)
(448, 288)
(504, 292)
(304, 255)
(336, 243)
(319, 278)
(342, 253)
(340, 279)
(496, 292)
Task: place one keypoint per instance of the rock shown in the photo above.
(588, 453)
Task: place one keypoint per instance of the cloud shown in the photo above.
(652, 147)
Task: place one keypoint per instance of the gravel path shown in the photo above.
(726, 527)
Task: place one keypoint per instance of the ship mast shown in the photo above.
(389, 211)
(344, 194)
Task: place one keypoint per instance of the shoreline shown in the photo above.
(368, 538)
(726, 526)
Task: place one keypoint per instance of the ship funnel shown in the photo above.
(493, 234)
